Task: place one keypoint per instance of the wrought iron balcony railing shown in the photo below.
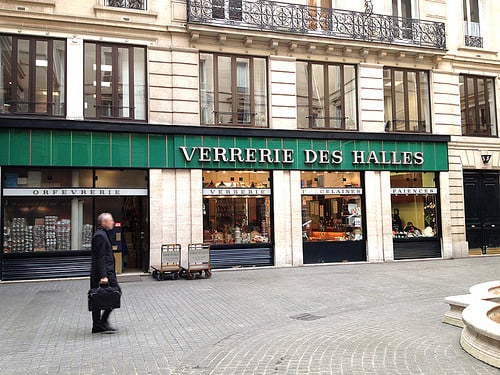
(474, 41)
(130, 4)
(303, 19)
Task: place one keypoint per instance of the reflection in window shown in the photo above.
(47, 178)
(240, 95)
(477, 105)
(39, 68)
(114, 81)
(129, 178)
(326, 96)
(406, 100)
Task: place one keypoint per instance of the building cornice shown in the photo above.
(81, 125)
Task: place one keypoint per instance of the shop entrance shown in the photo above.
(131, 218)
(482, 212)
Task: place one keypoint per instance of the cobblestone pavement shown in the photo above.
(343, 319)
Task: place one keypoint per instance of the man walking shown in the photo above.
(102, 270)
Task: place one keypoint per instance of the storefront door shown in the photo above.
(130, 214)
(482, 212)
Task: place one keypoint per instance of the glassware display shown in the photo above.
(414, 200)
(236, 207)
(332, 208)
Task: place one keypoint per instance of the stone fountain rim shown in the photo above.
(476, 318)
(483, 290)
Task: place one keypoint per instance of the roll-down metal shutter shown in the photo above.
(45, 266)
(241, 255)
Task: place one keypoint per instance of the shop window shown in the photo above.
(414, 200)
(331, 206)
(108, 178)
(47, 178)
(53, 209)
(233, 90)
(326, 96)
(32, 76)
(114, 81)
(45, 225)
(406, 100)
(477, 105)
(236, 207)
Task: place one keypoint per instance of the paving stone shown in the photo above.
(374, 319)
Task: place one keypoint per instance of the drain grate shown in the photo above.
(306, 317)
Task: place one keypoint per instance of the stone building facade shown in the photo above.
(378, 121)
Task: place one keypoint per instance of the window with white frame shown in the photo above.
(472, 28)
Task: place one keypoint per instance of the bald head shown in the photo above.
(106, 221)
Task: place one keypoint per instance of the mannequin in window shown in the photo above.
(397, 223)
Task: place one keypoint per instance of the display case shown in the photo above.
(332, 215)
(236, 207)
(49, 217)
(45, 225)
(414, 200)
(237, 217)
(415, 215)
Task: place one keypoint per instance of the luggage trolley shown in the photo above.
(170, 263)
(198, 261)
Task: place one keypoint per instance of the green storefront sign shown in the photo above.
(121, 150)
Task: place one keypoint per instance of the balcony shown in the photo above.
(474, 41)
(473, 36)
(128, 4)
(326, 22)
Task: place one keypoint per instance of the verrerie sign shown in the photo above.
(204, 154)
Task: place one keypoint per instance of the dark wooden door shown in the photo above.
(482, 210)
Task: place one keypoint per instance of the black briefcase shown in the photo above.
(103, 298)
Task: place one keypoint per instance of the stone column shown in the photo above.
(282, 214)
(444, 196)
(374, 220)
(283, 101)
(385, 199)
(296, 219)
(176, 210)
(371, 98)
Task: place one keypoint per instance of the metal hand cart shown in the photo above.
(170, 263)
(198, 261)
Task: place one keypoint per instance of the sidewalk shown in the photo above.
(344, 319)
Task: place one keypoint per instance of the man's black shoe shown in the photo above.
(97, 329)
(108, 328)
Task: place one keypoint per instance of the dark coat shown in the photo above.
(103, 261)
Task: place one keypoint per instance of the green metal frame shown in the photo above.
(74, 148)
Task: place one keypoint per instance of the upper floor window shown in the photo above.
(130, 4)
(233, 90)
(472, 30)
(227, 9)
(32, 76)
(477, 105)
(406, 100)
(114, 81)
(403, 11)
(326, 96)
